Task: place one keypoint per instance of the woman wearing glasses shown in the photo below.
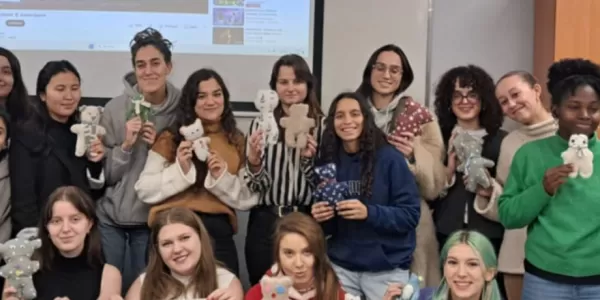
(465, 99)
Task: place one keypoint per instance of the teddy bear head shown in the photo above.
(276, 288)
(326, 172)
(266, 100)
(90, 114)
(193, 131)
(578, 141)
(298, 111)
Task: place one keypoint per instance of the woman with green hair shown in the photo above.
(469, 267)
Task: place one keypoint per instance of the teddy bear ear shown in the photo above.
(82, 108)
(101, 109)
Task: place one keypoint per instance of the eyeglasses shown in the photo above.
(458, 97)
(382, 68)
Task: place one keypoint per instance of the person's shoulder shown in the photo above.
(389, 153)
(224, 277)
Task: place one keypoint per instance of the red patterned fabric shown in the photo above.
(412, 118)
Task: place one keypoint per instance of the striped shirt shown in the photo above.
(285, 178)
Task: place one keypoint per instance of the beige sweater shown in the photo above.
(512, 251)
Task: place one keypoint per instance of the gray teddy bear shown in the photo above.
(19, 267)
(468, 150)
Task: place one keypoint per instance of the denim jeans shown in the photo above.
(126, 249)
(370, 285)
(536, 288)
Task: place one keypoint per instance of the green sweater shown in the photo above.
(564, 230)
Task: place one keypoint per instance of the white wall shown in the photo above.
(495, 34)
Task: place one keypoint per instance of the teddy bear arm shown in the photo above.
(100, 130)
(77, 128)
(310, 123)
(284, 122)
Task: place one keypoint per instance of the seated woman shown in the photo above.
(175, 177)
(42, 150)
(301, 256)
(182, 263)
(469, 265)
(71, 262)
(560, 208)
(373, 234)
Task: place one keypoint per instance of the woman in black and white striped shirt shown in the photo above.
(281, 175)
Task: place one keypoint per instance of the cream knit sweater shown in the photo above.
(512, 251)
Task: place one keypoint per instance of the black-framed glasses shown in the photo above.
(458, 97)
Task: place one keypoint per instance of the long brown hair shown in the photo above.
(84, 204)
(159, 283)
(326, 282)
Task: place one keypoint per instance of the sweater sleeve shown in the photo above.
(520, 204)
(117, 159)
(429, 166)
(24, 198)
(403, 210)
(258, 182)
(232, 190)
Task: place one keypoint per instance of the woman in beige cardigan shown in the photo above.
(387, 75)
(520, 97)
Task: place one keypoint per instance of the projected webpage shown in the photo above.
(231, 27)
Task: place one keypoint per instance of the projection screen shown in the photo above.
(241, 39)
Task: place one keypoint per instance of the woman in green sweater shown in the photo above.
(562, 252)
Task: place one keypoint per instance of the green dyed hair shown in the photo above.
(481, 245)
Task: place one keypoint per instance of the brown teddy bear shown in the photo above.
(297, 126)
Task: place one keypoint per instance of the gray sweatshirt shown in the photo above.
(5, 225)
(120, 205)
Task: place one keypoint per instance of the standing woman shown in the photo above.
(520, 97)
(42, 151)
(560, 212)
(13, 94)
(174, 177)
(386, 76)
(284, 183)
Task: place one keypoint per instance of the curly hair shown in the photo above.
(151, 37)
(186, 115)
(565, 76)
(370, 141)
(490, 117)
(366, 89)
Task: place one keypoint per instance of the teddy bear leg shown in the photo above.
(586, 169)
(575, 171)
(302, 141)
(80, 146)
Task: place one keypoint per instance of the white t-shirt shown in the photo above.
(224, 278)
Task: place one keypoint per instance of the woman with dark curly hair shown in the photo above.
(386, 76)
(373, 234)
(465, 98)
(174, 177)
(559, 207)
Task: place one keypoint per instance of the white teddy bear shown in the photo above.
(195, 133)
(89, 128)
(579, 156)
(266, 101)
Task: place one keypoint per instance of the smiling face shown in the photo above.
(7, 79)
(465, 273)
(518, 99)
(68, 228)
(348, 121)
(209, 104)
(62, 95)
(296, 259)
(579, 113)
(466, 103)
(387, 73)
(179, 247)
(151, 70)
(289, 88)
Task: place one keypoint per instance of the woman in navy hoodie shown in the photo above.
(373, 232)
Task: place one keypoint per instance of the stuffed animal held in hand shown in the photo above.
(275, 288)
(412, 118)
(19, 267)
(297, 126)
(195, 133)
(411, 290)
(266, 101)
(89, 129)
(139, 108)
(329, 189)
(468, 150)
(579, 155)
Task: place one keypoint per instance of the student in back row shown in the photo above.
(123, 217)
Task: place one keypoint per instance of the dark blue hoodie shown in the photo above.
(386, 239)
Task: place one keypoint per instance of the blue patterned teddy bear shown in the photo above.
(329, 189)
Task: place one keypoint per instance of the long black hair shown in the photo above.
(17, 102)
(366, 89)
(490, 116)
(370, 141)
(186, 115)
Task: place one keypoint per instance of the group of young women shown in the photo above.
(141, 215)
